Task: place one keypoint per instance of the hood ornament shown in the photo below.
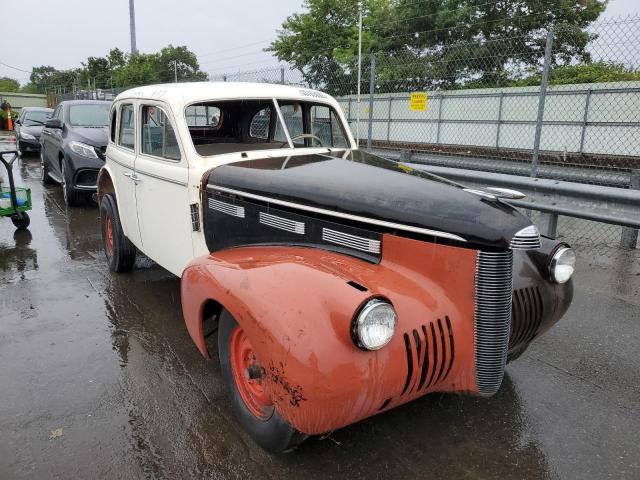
(496, 192)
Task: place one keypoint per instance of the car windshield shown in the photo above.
(89, 115)
(228, 126)
(36, 117)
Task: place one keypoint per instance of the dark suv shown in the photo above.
(73, 144)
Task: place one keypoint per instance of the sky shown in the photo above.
(228, 36)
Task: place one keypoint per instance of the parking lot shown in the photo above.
(99, 379)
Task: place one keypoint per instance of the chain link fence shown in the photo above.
(544, 105)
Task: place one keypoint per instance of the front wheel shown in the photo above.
(120, 252)
(243, 374)
(72, 198)
(44, 171)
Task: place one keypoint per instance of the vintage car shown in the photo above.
(340, 284)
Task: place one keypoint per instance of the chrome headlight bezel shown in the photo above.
(558, 259)
(363, 321)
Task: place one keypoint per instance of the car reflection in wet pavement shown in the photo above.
(99, 379)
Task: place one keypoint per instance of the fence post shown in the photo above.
(629, 238)
(535, 160)
(389, 118)
(440, 102)
(499, 119)
(282, 75)
(584, 120)
(372, 90)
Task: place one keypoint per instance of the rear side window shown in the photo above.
(126, 135)
(158, 137)
(259, 127)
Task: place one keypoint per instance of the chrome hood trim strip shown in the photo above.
(346, 216)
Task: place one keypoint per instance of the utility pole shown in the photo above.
(132, 27)
(359, 71)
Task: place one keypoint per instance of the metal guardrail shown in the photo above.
(614, 206)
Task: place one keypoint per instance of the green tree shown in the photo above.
(140, 69)
(9, 84)
(322, 43)
(585, 73)
(436, 43)
(186, 63)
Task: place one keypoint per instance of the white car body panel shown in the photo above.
(156, 217)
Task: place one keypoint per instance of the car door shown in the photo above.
(55, 143)
(162, 175)
(121, 157)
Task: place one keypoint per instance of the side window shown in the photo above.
(259, 127)
(326, 125)
(292, 116)
(126, 136)
(203, 116)
(112, 127)
(158, 136)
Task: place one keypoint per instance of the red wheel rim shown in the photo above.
(251, 390)
(108, 234)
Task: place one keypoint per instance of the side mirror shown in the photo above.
(54, 123)
(18, 122)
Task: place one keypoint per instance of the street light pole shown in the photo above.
(132, 27)
(359, 72)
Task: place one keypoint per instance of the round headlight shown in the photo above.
(375, 324)
(563, 264)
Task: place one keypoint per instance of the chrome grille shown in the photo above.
(492, 318)
(282, 223)
(526, 239)
(352, 241)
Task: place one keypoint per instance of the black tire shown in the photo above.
(21, 223)
(71, 196)
(44, 171)
(273, 433)
(120, 253)
(513, 356)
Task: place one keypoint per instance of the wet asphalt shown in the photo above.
(99, 379)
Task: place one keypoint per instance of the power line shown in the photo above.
(16, 68)
(438, 12)
(239, 47)
(227, 69)
(462, 26)
(232, 57)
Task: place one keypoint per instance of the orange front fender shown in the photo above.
(297, 306)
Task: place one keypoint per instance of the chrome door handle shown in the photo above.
(128, 174)
(135, 178)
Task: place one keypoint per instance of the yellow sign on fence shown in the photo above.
(418, 102)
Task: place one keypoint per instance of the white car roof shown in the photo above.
(182, 94)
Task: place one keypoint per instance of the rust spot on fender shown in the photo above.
(293, 394)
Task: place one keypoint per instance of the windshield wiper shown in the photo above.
(37, 122)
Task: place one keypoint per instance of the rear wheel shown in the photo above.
(71, 197)
(253, 406)
(120, 252)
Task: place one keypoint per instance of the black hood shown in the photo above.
(34, 130)
(94, 136)
(358, 183)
